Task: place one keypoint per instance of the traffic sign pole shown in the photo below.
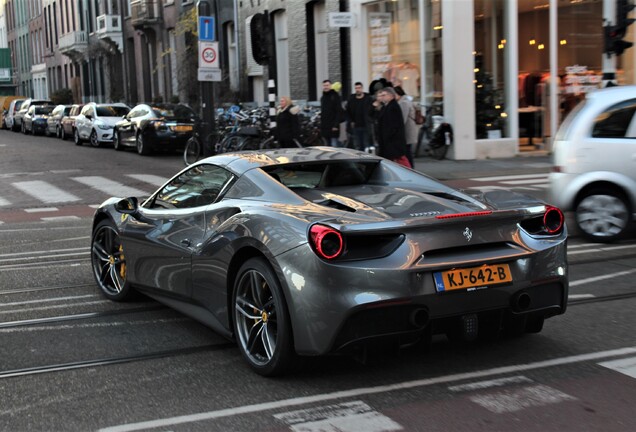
(207, 34)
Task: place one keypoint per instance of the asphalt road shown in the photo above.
(71, 360)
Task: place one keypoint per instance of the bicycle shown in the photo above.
(436, 135)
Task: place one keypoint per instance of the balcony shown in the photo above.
(73, 44)
(145, 13)
(109, 30)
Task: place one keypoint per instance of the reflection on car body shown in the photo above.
(315, 251)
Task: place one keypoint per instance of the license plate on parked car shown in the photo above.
(472, 277)
(183, 128)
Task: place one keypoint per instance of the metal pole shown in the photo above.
(207, 8)
(609, 59)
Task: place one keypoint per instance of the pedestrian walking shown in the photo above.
(391, 131)
(410, 127)
(359, 106)
(331, 114)
(287, 124)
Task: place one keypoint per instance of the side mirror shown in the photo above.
(128, 206)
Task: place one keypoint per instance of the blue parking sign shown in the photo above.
(206, 28)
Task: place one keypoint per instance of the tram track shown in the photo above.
(61, 367)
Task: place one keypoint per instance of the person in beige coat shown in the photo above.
(410, 127)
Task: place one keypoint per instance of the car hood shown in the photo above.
(110, 121)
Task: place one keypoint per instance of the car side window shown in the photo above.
(613, 122)
(199, 186)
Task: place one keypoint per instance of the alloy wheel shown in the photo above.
(602, 216)
(109, 261)
(94, 140)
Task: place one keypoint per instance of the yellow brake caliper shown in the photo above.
(122, 269)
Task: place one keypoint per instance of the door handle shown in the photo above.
(186, 242)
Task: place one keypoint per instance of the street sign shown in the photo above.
(209, 55)
(206, 28)
(342, 19)
(209, 74)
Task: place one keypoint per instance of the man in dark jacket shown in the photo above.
(331, 114)
(391, 134)
(358, 113)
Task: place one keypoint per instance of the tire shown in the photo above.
(261, 321)
(230, 143)
(76, 138)
(142, 147)
(602, 215)
(109, 262)
(93, 139)
(58, 132)
(250, 143)
(117, 141)
(23, 128)
(62, 134)
(192, 151)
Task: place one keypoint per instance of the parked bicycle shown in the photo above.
(435, 135)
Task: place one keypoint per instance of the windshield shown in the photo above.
(111, 111)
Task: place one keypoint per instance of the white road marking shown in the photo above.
(45, 192)
(42, 252)
(481, 385)
(90, 325)
(149, 178)
(536, 181)
(4, 202)
(110, 187)
(59, 218)
(600, 278)
(625, 366)
(512, 177)
(602, 249)
(580, 245)
(580, 296)
(48, 300)
(43, 308)
(346, 417)
(507, 401)
(357, 392)
(41, 210)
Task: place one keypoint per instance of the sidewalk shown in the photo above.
(451, 169)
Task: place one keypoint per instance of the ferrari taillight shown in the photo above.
(326, 242)
(553, 220)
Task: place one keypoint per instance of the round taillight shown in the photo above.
(553, 220)
(326, 241)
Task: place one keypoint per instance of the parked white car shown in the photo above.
(14, 107)
(96, 121)
(594, 172)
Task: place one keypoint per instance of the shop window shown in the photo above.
(394, 45)
(614, 122)
(491, 116)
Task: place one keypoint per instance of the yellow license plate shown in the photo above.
(482, 276)
(183, 128)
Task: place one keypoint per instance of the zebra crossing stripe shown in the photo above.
(149, 178)
(625, 366)
(4, 202)
(511, 177)
(526, 181)
(109, 186)
(45, 192)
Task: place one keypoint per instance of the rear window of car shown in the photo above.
(323, 175)
(614, 121)
(43, 110)
(112, 111)
(174, 112)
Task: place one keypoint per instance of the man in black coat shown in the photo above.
(391, 134)
(358, 113)
(331, 114)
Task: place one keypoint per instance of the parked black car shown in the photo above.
(152, 127)
(34, 121)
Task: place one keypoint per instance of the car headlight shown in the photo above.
(103, 126)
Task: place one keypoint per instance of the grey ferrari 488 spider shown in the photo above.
(320, 250)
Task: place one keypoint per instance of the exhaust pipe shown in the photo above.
(419, 318)
(521, 302)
